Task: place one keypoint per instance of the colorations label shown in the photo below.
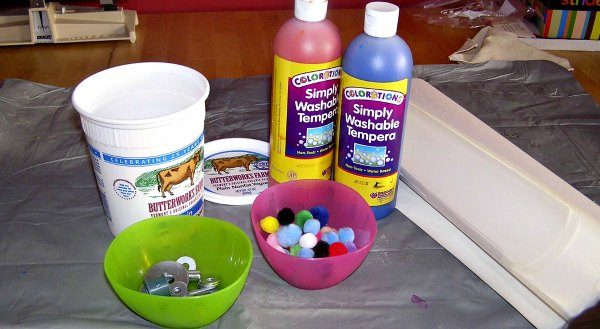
(304, 107)
(369, 137)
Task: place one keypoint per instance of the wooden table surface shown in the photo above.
(231, 45)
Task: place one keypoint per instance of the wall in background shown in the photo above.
(158, 6)
(221, 5)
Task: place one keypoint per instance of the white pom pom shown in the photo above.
(308, 240)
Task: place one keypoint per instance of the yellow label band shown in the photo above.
(370, 120)
(303, 111)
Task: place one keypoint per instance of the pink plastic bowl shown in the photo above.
(346, 209)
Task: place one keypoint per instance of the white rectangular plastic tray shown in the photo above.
(531, 236)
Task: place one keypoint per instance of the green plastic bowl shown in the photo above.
(219, 248)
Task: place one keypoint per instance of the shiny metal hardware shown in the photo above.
(167, 268)
(166, 279)
(189, 261)
(158, 286)
(170, 278)
(178, 289)
(194, 276)
(206, 286)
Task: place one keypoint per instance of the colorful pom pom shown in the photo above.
(306, 234)
(302, 216)
(288, 235)
(327, 229)
(321, 214)
(308, 240)
(295, 249)
(272, 240)
(321, 249)
(337, 248)
(285, 216)
(296, 230)
(306, 253)
(350, 246)
(346, 234)
(312, 226)
(269, 224)
(330, 237)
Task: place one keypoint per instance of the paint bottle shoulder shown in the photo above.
(308, 42)
(378, 59)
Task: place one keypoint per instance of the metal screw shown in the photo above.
(178, 289)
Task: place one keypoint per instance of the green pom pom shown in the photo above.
(295, 249)
(302, 216)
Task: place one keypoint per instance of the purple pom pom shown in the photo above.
(351, 246)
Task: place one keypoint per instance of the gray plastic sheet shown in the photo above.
(53, 234)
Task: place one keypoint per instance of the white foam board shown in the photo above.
(475, 258)
(535, 226)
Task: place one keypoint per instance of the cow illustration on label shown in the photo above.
(176, 175)
(221, 165)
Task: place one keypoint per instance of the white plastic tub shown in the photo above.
(144, 124)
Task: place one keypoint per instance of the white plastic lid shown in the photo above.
(381, 19)
(310, 10)
(236, 170)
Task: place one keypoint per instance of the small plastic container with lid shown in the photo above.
(306, 76)
(376, 73)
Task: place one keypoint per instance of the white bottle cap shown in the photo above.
(310, 10)
(381, 19)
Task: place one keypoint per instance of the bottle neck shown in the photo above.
(310, 11)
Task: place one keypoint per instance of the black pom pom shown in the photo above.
(321, 249)
(285, 216)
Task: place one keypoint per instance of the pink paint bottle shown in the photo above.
(305, 87)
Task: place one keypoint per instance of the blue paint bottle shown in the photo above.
(376, 72)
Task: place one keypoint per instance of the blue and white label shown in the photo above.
(135, 186)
